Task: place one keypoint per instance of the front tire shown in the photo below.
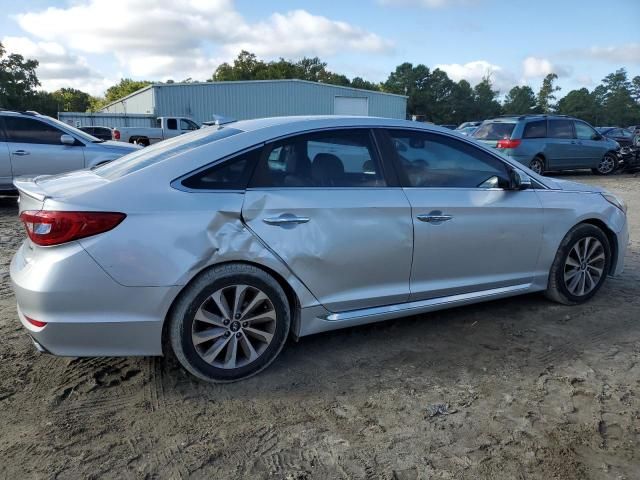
(607, 165)
(230, 323)
(580, 266)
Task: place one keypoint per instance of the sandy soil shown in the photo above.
(534, 390)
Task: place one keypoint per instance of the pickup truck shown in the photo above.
(166, 127)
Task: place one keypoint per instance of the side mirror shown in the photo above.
(597, 136)
(67, 140)
(519, 180)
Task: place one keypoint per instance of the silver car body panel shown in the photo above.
(114, 290)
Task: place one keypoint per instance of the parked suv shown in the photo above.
(33, 144)
(550, 142)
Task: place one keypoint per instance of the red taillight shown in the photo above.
(508, 143)
(52, 227)
(116, 135)
(35, 323)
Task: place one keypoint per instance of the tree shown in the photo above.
(462, 103)
(18, 80)
(581, 104)
(618, 103)
(411, 81)
(72, 100)
(546, 95)
(519, 101)
(124, 87)
(485, 100)
(635, 88)
(358, 82)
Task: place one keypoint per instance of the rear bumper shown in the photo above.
(86, 311)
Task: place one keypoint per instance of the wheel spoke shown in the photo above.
(572, 263)
(573, 284)
(576, 250)
(571, 274)
(261, 317)
(206, 335)
(204, 316)
(232, 352)
(585, 247)
(597, 269)
(212, 353)
(582, 282)
(239, 298)
(259, 298)
(222, 304)
(259, 334)
(247, 348)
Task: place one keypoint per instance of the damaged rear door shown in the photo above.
(322, 202)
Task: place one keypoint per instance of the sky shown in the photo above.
(91, 44)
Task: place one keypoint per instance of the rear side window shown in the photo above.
(231, 174)
(494, 131)
(336, 158)
(537, 129)
(161, 151)
(29, 130)
(172, 124)
(560, 128)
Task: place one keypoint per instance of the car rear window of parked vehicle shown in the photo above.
(494, 131)
(338, 158)
(431, 160)
(560, 128)
(29, 130)
(161, 151)
(231, 174)
(537, 129)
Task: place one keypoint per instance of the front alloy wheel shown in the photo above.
(584, 266)
(607, 165)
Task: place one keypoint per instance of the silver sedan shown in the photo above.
(223, 243)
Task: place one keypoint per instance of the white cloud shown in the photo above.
(165, 38)
(534, 67)
(57, 67)
(475, 71)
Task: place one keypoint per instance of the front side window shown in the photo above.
(337, 158)
(29, 130)
(432, 160)
(537, 129)
(584, 131)
(231, 174)
(560, 128)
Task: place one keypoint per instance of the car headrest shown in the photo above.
(327, 169)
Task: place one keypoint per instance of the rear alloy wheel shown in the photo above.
(607, 165)
(230, 323)
(580, 266)
(537, 165)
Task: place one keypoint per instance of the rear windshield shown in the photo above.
(161, 151)
(494, 131)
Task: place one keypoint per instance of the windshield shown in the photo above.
(494, 131)
(161, 151)
(83, 135)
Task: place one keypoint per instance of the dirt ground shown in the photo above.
(534, 390)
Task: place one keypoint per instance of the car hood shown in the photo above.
(570, 186)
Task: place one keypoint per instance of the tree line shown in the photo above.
(432, 95)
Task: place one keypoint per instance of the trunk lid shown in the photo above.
(34, 191)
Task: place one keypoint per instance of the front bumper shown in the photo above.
(86, 311)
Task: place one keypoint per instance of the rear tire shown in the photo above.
(537, 165)
(230, 323)
(580, 266)
(607, 165)
(143, 142)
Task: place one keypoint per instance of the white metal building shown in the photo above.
(245, 99)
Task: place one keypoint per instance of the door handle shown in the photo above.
(285, 220)
(21, 153)
(434, 218)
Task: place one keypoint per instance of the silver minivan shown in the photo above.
(32, 144)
